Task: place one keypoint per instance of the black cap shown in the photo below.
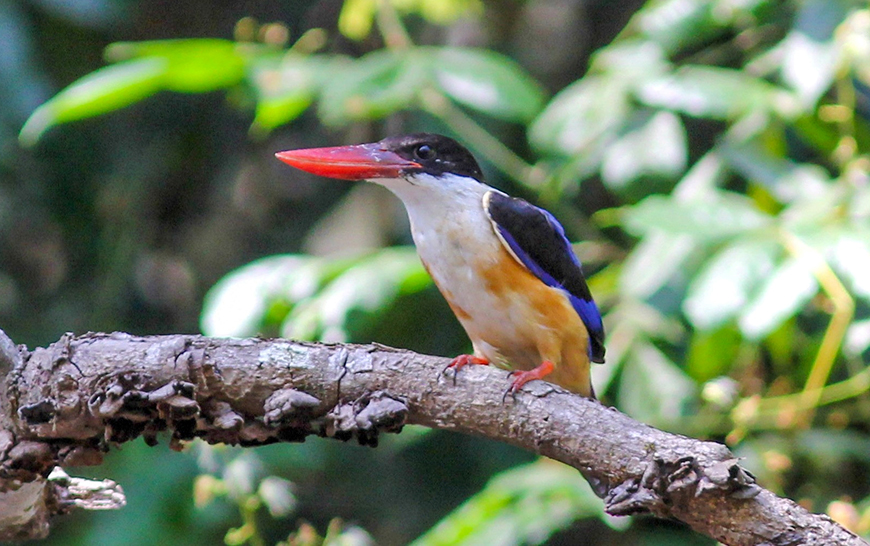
(437, 154)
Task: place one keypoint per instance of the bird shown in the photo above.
(505, 266)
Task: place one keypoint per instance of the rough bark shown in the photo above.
(68, 403)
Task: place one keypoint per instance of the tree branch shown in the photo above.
(67, 403)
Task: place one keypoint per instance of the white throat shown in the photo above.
(450, 227)
(441, 205)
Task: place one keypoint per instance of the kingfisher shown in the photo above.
(504, 266)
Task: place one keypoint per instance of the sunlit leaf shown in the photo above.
(652, 388)
(782, 295)
(712, 92)
(101, 91)
(850, 257)
(487, 81)
(524, 505)
(285, 86)
(238, 304)
(810, 53)
(678, 24)
(631, 61)
(702, 179)
(723, 287)
(373, 86)
(656, 147)
(721, 216)
(359, 292)
(192, 65)
(579, 116)
(653, 262)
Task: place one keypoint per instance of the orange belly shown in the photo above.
(517, 322)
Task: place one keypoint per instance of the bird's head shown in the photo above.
(421, 160)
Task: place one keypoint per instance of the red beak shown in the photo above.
(360, 162)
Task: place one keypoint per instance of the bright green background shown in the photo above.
(711, 155)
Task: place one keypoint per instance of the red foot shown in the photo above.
(521, 377)
(462, 361)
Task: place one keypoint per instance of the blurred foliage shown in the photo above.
(712, 154)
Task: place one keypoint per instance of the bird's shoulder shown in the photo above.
(537, 241)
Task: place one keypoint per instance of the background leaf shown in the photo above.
(487, 82)
(711, 92)
(785, 291)
(652, 388)
(192, 66)
(341, 307)
(723, 287)
(286, 86)
(580, 116)
(811, 55)
(724, 215)
(523, 506)
(377, 84)
(102, 91)
(655, 146)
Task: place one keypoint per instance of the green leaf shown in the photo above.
(373, 86)
(631, 61)
(487, 81)
(580, 118)
(678, 24)
(524, 505)
(652, 388)
(849, 255)
(723, 287)
(355, 295)
(787, 180)
(193, 65)
(810, 52)
(285, 86)
(712, 92)
(237, 306)
(784, 293)
(712, 353)
(101, 91)
(721, 216)
(653, 262)
(656, 147)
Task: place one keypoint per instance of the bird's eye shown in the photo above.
(424, 152)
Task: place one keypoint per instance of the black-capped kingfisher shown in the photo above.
(504, 265)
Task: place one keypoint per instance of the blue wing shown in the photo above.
(538, 240)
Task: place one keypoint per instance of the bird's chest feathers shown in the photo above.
(473, 271)
(455, 248)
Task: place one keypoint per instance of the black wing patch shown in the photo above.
(538, 241)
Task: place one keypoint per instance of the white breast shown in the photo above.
(455, 239)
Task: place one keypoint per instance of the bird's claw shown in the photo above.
(461, 361)
(512, 389)
(521, 377)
